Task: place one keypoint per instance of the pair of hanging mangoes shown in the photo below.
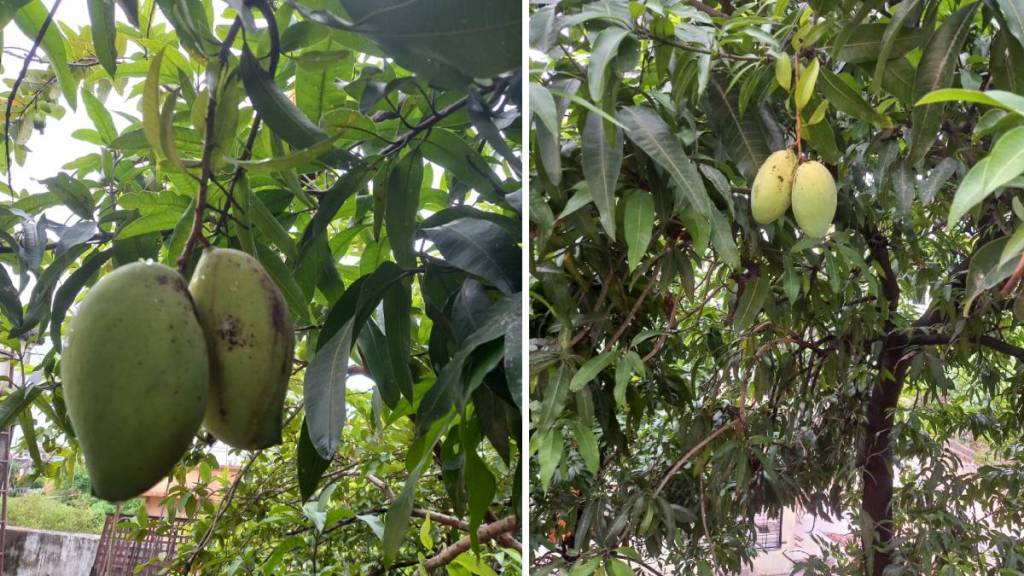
(809, 187)
(148, 359)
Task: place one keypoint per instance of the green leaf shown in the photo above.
(10, 303)
(986, 272)
(397, 520)
(30, 20)
(1014, 246)
(602, 162)
(16, 402)
(1004, 163)
(1013, 13)
(650, 133)
(276, 109)
(750, 302)
(151, 102)
(591, 368)
(549, 452)
(397, 325)
(847, 100)
(104, 33)
(373, 349)
(903, 10)
(542, 106)
(482, 486)
(936, 70)
(73, 194)
(270, 227)
(638, 224)
(481, 248)
(450, 151)
(864, 43)
(100, 116)
(332, 200)
(805, 87)
(744, 136)
(616, 567)
(997, 98)
(294, 159)
(450, 55)
(606, 46)
(586, 443)
(66, 294)
(403, 202)
(309, 464)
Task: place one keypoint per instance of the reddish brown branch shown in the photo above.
(484, 533)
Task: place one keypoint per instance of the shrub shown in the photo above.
(46, 513)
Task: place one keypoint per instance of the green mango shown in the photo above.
(251, 340)
(770, 192)
(814, 198)
(136, 375)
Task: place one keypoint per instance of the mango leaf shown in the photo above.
(591, 368)
(902, 12)
(606, 46)
(309, 464)
(602, 162)
(16, 402)
(450, 54)
(751, 302)
(104, 33)
(67, 292)
(403, 200)
(1004, 163)
(864, 43)
(1013, 14)
(332, 200)
(276, 109)
(481, 248)
(847, 100)
(997, 98)
(985, 271)
(482, 486)
(151, 102)
(638, 224)
(744, 136)
(30, 19)
(586, 443)
(936, 70)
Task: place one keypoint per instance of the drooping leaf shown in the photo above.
(101, 15)
(479, 247)
(602, 161)
(1004, 163)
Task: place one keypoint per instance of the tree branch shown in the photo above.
(484, 533)
(17, 84)
(689, 454)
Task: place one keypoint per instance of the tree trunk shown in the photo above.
(878, 475)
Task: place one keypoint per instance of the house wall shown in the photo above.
(47, 553)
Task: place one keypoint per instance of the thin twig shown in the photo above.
(689, 454)
(1014, 278)
(17, 84)
(636, 306)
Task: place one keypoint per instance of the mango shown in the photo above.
(250, 339)
(770, 193)
(814, 198)
(135, 373)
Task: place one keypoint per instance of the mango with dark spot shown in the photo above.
(250, 339)
(770, 192)
(135, 391)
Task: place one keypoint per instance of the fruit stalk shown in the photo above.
(796, 82)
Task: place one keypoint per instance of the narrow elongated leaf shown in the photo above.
(309, 464)
(131, 10)
(16, 402)
(1004, 163)
(602, 162)
(481, 116)
(805, 87)
(591, 368)
(270, 227)
(750, 303)
(638, 223)
(9, 301)
(403, 202)
(332, 200)
(294, 159)
(997, 98)
(986, 272)
(151, 102)
(104, 34)
(74, 195)
(1013, 13)
(324, 391)
(276, 109)
(397, 325)
(479, 247)
(586, 443)
(1014, 246)
(744, 136)
(847, 100)
(864, 43)
(67, 292)
(100, 116)
(606, 47)
(30, 19)
(903, 11)
(447, 149)
(935, 71)
(482, 486)
(650, 133)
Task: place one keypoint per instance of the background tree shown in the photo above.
(366, 153)
(690, 368)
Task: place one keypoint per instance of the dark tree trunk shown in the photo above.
(877, 472)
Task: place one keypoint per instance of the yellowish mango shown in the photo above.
(814, 198)
(770, 193)
(250, 340)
